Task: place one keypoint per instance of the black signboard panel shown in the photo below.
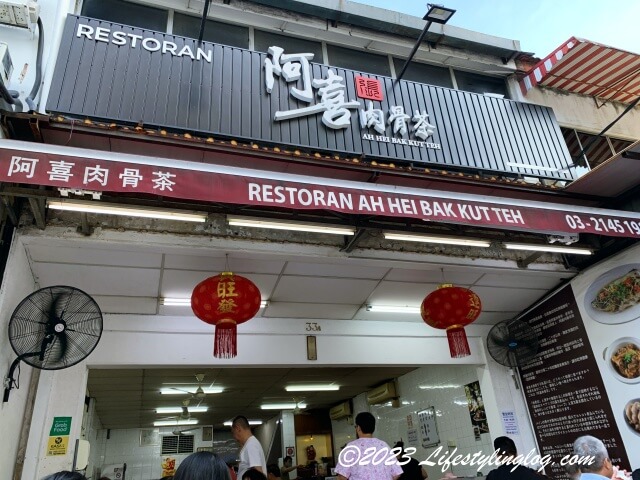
(563, 386)
(126, 74)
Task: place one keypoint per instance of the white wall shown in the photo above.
(17, 283)
(143, 463)
(445, 391)
(23, 47)
(581, 112)
(265, 434)
(91, 431)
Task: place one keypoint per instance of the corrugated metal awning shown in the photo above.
(585, 67)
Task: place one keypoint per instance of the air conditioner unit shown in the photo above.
(381, 394)
(19, 13)
(340, 411)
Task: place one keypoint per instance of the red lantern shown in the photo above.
(452, 308)
(225, 301)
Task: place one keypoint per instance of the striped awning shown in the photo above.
(588, 68)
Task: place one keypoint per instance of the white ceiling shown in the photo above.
(130, 278)
(130, 275)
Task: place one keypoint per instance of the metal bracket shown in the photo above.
(524, 262)
(38, 208)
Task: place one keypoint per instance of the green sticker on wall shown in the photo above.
(61, 426)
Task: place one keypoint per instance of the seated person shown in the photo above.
(273, 472)
(253, 474)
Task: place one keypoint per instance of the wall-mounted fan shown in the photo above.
(53, 328)
(512, 343)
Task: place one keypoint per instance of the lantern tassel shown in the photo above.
(225, 344)
(458, 344)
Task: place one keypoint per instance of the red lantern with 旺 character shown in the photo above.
(225, 301)
(451, 308)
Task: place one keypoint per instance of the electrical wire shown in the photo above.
(36, 84)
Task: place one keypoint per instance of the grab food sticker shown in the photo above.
(59, 436)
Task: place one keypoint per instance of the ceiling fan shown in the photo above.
(184, 415)
(297, 410)
(199, 393)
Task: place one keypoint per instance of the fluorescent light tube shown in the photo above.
(174, 423)
(547, 248)
(284, 225)
(251, 422)
(392, 309)
(126, 210)
(407, 237)
(312, 388)
(281, 406)
(186, 389)
(179, 409)
(186, 302)
(438, 387)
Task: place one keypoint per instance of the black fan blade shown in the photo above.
(46, 341)
(63, 344)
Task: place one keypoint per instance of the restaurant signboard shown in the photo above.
(77, 169)
(119, 73)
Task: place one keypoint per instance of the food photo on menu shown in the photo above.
(614, 297)
(612, 307)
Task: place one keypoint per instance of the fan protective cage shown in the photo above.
(512, 343)
(36, 315)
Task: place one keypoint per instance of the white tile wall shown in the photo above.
(143, 463)
(453, 420)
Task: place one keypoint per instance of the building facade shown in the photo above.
(465, 171)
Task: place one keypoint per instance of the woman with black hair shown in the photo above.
(202, 466)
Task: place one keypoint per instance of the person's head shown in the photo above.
(253, 474)
(65, 475)
(592, 447)
(505, 446)
(202, 466)
(365, 424)
(287, 461)
(400, 448)
(240, 429)
(273, 471)
(635, 475)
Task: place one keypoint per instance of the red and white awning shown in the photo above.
(588, 68)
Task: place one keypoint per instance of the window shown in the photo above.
(126, 13)
(174, 444)
(424, 73)
(264, 40)
(358, 60)
(476, 83)
(597, 149)
(216, 32)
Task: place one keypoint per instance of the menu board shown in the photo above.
(563, 386)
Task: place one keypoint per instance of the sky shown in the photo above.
(540, 25)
